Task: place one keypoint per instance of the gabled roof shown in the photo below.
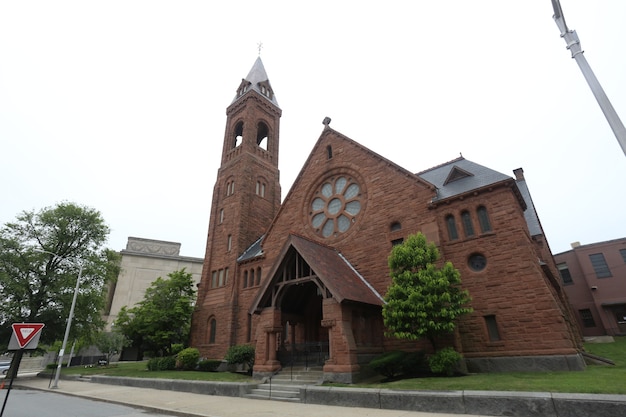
(330, 267)
(255, 80)
(460, 176)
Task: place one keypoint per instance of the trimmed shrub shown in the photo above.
(166, 363)
(241, 354)
(444, 361)
(208, 365)
(389, 364)
(187, 359)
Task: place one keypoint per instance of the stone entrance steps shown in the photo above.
(285, 386)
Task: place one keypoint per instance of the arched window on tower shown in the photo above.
(451, 225)
(262, 135)
(329, 152)
(258, 276)
(238, 134)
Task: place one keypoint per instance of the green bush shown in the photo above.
(208, 365)
(166, 363)
(243, 354)
(187, 359)
(444, 361)
(176, 348)
(389, 364)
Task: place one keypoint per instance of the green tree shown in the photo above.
(163, 317)
(41, 254)
(110, 343)
(423, 301)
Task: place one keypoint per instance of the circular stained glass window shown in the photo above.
(477, 262)
(335, 206)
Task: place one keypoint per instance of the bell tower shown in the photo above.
(246, 197)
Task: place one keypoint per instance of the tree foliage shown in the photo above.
(41, 255)
(163, 317)
(424, 300)
(110, 343)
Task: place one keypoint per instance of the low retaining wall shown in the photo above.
(486, 403)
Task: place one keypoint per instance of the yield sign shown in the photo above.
(25, 332)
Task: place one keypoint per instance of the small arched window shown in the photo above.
(252, 277)
(483, 219)
(329, 152)
(453, 234)
(468, 227)
(395, 226)
(258, 276)
(221, 215)
(212, 330)
(245, 279)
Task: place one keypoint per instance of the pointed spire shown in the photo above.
(258, 81)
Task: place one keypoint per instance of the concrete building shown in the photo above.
(594, 278)
(305, 279)
(143, 261)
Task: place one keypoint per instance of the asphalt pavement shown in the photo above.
(199, 405)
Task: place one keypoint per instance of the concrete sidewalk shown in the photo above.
(200, 405)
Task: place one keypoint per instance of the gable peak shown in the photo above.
(457, 173)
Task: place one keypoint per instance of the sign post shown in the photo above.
(25, 337)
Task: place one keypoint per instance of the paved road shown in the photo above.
(199, 405)
(32, 403)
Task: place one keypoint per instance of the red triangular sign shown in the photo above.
(24, 332)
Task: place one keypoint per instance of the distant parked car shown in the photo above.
(4, 367)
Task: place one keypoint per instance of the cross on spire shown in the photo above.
(259, 46)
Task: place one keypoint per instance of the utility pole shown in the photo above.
(573, 44)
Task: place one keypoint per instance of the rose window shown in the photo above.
(335, 206)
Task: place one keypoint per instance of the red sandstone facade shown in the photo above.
(306, 279)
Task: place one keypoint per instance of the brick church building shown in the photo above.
(304, 281)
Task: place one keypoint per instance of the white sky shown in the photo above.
(120, 105)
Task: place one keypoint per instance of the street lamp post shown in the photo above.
(69, 320)
(573, 44)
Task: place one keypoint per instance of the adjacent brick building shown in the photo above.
(304, 280)
(594, 278)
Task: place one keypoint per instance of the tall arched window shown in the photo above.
(483, 219)
(451, 225)
(245, 279)
(258, 276)
(252, 276)
(212, 330)
(468, 227)
(262, 135)
(238, 135)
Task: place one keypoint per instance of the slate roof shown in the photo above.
(332, 269)
(258, 75)
(460, 176)
(254, 250)
(530, 214)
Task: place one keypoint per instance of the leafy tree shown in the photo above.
(41, 255)
(110, 343)
(423, 301)
(163, 317)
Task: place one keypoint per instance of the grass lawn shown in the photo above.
(596, 379)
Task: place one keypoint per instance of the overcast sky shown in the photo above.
(120, 105)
